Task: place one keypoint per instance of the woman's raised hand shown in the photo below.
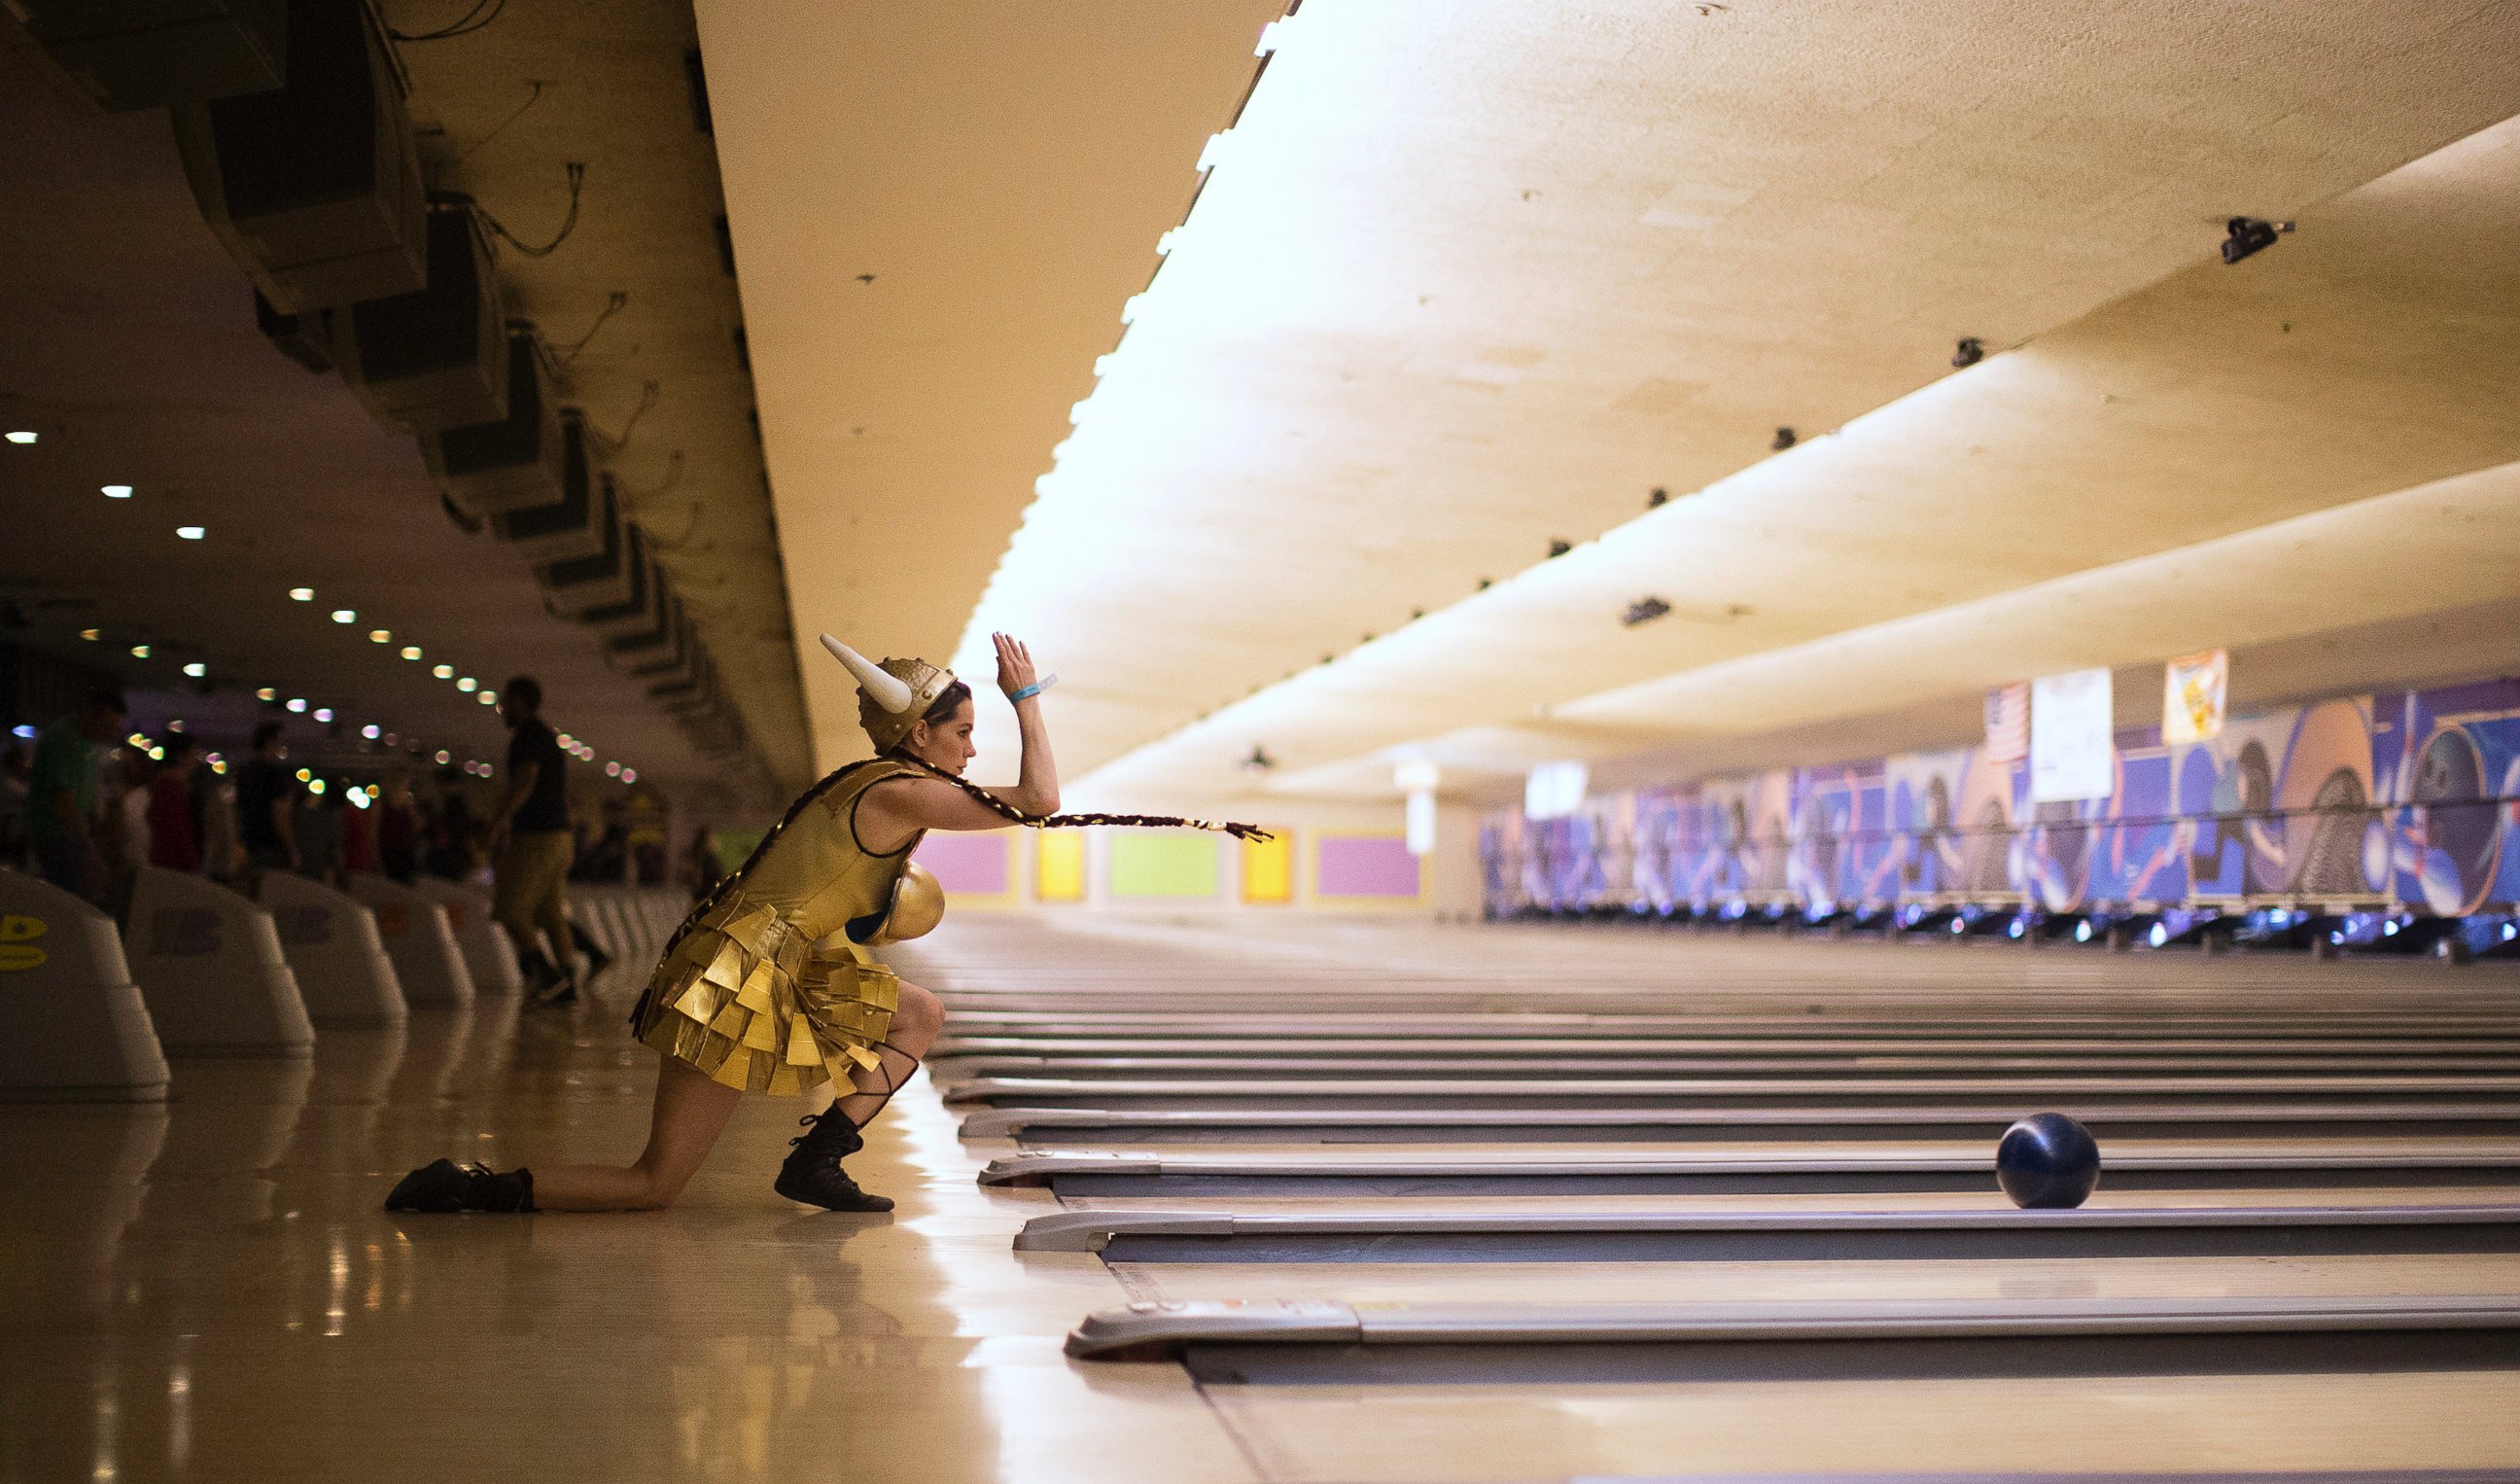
(1014, 666)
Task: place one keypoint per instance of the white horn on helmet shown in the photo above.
(889, 692)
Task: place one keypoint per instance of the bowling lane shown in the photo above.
(1782, 1282)
(1868, 1053)
(2173, 1424)
(1887, 1201)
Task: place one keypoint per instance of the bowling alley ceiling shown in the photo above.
(132, 347)
(1464, 283)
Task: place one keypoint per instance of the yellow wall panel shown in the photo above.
(1268, 869)
(1060, 867)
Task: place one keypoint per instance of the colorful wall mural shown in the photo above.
(2404, 800)
(1298, 868)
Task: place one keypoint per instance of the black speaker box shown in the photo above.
(436, 359)
(531, 462)
(145, 54)
(647, 613)
(314, 187)
(612, 586)
(651, 639)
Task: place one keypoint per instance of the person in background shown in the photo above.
(15, 766)
(266, 801)
(215, 806)
(701, 866)
(64, 788)
(127, 787)
(358, 831)
(398, 829)
(450, 835)
(531, 846)
(320, 833)
(174, 835)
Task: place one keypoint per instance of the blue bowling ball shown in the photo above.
(2048, 1162)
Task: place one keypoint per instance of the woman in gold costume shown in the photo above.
(769, 987)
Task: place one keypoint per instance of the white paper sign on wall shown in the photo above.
(1555, 791)
(2072, 751)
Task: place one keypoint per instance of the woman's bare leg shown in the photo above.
(691, 1112)
(916, 1021)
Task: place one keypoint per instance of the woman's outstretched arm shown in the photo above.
(1036, 789)
(893, 811)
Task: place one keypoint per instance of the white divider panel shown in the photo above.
(332, 944)
(488, 957)
(209, 964)
(78, 1030)
(590, 908)
(417, 938)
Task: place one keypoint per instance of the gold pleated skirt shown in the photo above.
(754, 1003)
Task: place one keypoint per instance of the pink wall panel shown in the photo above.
(1380, 867)
(971, 864)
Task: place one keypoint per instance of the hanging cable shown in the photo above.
(568, 225)
(664, 486)
(648, 394)
(532, 99)
(474, 21)
(613, 304)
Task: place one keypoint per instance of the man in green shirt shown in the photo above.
(64, 789)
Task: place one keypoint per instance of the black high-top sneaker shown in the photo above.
(538, 973)
(812, 1173)
(445, 1186)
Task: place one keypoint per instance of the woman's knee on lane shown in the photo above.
(919, 1010)
(658, 1190)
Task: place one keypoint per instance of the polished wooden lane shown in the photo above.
(1485, 1425)
(209, 1290)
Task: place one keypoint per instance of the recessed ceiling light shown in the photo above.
(303, 594)
(443, 757)
(192, 532)
(323, 713)
(117, 491)
(266, 694)
(137, 740)
(444, 672)
(23, 436)
(344, 615)
(612, 770)
(297, 702)
(380, 635)
(411, 652)
(91, 635)
(467, 682)
(140, 651)
(489, 698)
(372, 732)
(196, 669)
(629, 775)
(314, 785)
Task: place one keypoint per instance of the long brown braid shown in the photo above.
(1013, 815)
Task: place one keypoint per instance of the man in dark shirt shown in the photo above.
(533, 846)
(266, 798)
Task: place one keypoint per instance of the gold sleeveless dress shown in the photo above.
(761, 987)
